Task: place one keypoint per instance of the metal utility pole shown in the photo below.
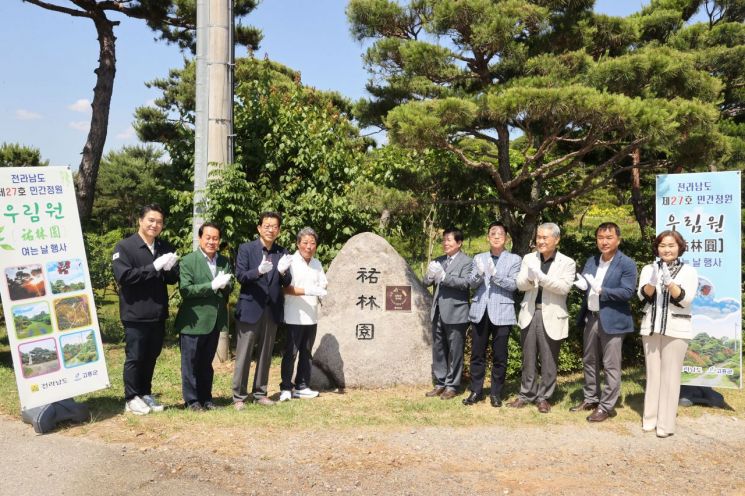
(214, 108)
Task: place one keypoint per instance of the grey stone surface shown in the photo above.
(400, 349)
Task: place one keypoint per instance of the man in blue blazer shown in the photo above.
(609, 282)
(261, 268)
(492, 315)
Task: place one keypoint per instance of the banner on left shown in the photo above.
(46, 290)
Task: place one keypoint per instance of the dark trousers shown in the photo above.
(448, 342)
(143, 344)
(480, 335)
(300, 339)
(260, 334)
(601, 348)
(197, 374)
(535, 342)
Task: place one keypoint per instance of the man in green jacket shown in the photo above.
(205, 286)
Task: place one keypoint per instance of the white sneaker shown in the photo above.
(152, 403)
(305, 393)
(136, 406)
(285, 395)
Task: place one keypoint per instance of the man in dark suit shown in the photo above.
(609, 280)
(262, 269)
(143, 265)
(449, 275)
(205, 287)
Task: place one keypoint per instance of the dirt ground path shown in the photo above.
(612, 458)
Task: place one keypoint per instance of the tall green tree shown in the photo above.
(296, 151)
(535, 94)
(173, 20)
(17, 155)
(129, 178)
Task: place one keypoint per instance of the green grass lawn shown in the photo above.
(401, 406)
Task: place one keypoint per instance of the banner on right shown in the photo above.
(705, 209)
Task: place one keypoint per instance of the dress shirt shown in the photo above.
(593, 298)
(211, 262)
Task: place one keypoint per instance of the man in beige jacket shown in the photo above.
(546, 276)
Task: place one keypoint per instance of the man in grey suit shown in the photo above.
(546, 276)
(609, 280)
(492, 314)
(449, 275)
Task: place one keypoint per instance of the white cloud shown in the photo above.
(27, 115)
(127, 134)
(80, 125)
(82, 105)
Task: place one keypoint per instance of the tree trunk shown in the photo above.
(85, 181)
(636, 195)
(523, 234)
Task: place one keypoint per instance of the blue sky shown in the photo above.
(46, 75)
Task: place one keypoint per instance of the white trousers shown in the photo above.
(664, 359)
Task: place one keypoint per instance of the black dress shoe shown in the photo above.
(473, 398)
(585, 405)
(496, 401)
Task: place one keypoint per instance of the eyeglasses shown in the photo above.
(270, 227)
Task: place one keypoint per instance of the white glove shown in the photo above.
(490, 269)
(535, 274)
(480, 269)
(315, 291)
(171, 261)
(284, 263)
(655, 276)
(221, 280)
(265, 265)
(593, 283)
(581, 282)
(433, 269)
(160, 262)
(666, 277)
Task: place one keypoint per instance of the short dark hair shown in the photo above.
(209, 224)
(682, 245)
(457, 233)
(608, 226)
(270, 214)
(151, 207)
(498, 223)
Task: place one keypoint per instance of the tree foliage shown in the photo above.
(296, 151)
(547, 98)
(173, 20)
(129, 178)
(17, 155)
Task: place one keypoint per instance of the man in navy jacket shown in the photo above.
(609, 282)
(261, 268)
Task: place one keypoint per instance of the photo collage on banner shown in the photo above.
(705, 209)
(46, 291)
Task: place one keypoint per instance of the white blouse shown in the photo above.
(303, 310)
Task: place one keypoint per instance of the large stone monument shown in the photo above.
(373, 327)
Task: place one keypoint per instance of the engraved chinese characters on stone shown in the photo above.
(373, 328)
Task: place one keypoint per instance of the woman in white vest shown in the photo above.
(668, 287)
(301, 316)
